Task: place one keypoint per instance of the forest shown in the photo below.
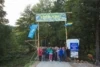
(84, 14)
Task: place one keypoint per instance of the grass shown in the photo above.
(23, 61)
(28, 64)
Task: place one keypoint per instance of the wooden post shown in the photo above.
(38, 37)
(35, 39)
(66, 34)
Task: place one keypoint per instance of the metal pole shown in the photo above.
(38, 36)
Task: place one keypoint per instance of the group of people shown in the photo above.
(53, 53)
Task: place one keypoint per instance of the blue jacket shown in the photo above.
(61, 53)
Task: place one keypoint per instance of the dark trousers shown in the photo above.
(61, 58)
(40, 57)
(55, 57)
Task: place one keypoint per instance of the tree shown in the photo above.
(26, 19)
(6, 43)
(2, 13)
(97, 32)
(59, 6)
(86, 18)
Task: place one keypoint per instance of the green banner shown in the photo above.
(50, 17)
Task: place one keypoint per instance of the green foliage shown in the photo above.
(85, 15)
(84, 27)
(5, 34)
(3, 20)
(18, 61)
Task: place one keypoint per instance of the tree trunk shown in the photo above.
(97, 31)
(97, 43)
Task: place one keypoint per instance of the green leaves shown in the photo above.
(84, 16)
(2, 13)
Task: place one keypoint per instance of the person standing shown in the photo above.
(44, 53)
(68, 54)
(61, 54)
(50, 54)
(54, 54)
(64, 54)
(57, 51)
(39, 52)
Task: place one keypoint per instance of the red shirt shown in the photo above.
(39, 52)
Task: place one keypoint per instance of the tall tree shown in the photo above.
(26, 19)
(97, 32)
(2, 13)
(86, 21)
(5, 34)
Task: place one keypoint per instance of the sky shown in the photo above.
(14, 8)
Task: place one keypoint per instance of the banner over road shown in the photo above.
(50, 17)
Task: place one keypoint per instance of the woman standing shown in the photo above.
(50, 54)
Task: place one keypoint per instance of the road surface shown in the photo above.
(61, 64)
(53, 64)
